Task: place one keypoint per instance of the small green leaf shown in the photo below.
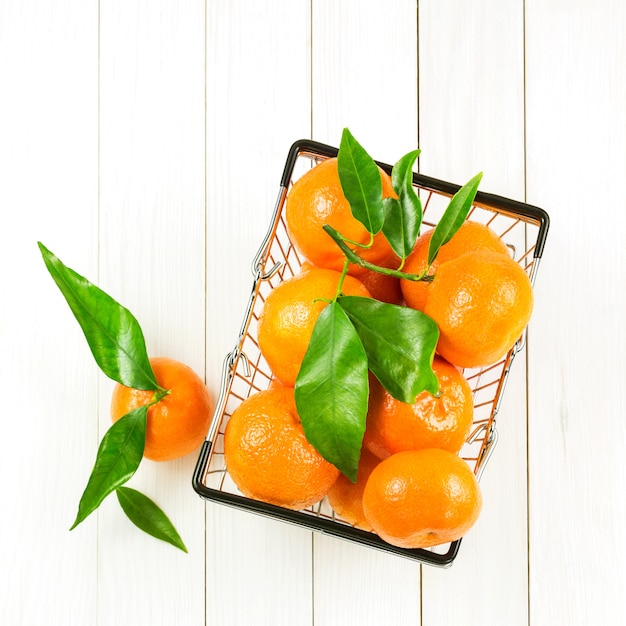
(361, 183)
(147, 516)
(400, 345)
(332, 390)
(403, 216)
(118, 458)
(454, 215)
(112, 332)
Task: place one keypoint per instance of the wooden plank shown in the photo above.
(576, 156)
(365, 75)
(472, 119)
(365, 78)
(258, 102)
(48, 380)
(152, 251)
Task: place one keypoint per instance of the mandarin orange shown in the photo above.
(422, 498)
(470, 236)
(268, 456)
(289, 315)
(482, 302)
(381, 286)
(178, 423)
(442, 421)
(316, 199)
(346, 497)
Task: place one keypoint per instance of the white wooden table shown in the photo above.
(143, 142)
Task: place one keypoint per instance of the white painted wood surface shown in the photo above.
(143, 142)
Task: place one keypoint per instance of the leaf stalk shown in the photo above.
(354, 258)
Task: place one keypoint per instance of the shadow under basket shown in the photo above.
(522, 227)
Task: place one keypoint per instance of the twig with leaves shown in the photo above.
(118, 346)
(355, 335)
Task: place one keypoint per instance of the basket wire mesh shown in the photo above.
(522, 227)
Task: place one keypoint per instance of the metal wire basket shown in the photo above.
(522, 227)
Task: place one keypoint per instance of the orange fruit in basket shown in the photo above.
(268, 456)
(289, 314)
(470, 236)
(346, 497)
(316, 199)
(481, 301)
(422, 498)
(430, 422)
(275, 384)
(381, 286)
(179, 422)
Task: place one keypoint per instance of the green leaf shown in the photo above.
(147, 516)
(361, 183)
(332, 390)
(454, 215)
(400, 345)
(118, 458)
(403, 216)
(112, 332)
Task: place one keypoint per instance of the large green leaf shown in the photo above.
(118, 458)
(455, 214)
(400, 345)
(112, 332)
(332, 390)
(361, 183)
(403, 216)
(147, 516)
